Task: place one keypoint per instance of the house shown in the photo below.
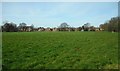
(41, 29)
(97, 29)
(79, 29)
(48, 29)
(35, 29)
(28, 28)
(55, 29)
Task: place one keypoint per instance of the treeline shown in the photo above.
(23, 27)
(112, 25)
(12, 27)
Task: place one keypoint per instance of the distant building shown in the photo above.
(41, 29)
(55, 29)
(28, 28)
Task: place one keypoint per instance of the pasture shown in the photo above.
(60, 50)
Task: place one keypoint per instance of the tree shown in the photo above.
(32, 27)
(92, 28)
(22, 26)
(64, 25)
(104, 26)
(9, 27)
(86, 26)
(112, 25)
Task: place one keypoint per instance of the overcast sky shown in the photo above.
(52, 14)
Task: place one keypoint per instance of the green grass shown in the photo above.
(60, 50)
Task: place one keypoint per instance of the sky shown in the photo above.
(59, 0)
(52, 14)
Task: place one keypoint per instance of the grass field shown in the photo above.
(60, 50)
